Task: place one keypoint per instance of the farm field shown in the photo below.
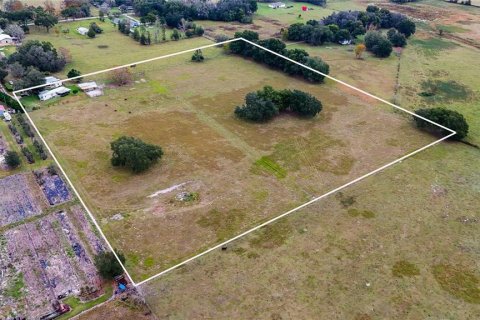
(400, 245)
(241, 173)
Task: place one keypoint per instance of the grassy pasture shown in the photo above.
(415, 259)
(291, 15)
(243, 173)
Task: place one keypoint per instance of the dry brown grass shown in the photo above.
(188, 110)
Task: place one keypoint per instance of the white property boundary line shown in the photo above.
(452, 132)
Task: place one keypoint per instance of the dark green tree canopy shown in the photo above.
(447, 118)
(265, 104)
(134, 154)
(378, 44)
(12, 159)
(396, 38)
(261, 55)
(256, 108)
(108, 266)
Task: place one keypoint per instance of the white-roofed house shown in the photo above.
(276, 5)
(49, 94)
(5, 40)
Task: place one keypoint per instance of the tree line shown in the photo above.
(260, 55)
(173, 11)
(265, 104)
(347, 25)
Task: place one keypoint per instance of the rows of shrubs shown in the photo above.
(263, 105)
(18, 137)
(347, 25)
(260, 55)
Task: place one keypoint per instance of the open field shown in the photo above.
(398, 245)
(243, 173)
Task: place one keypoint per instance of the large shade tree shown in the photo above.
(134, 154)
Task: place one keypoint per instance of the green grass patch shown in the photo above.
(345, 201)
(78, 306)
(224, 223)
(273, 235)
(15, 289)
(149, 262)
(440, 90)
(452, 29)
(432, 46)
(268, 165)
(460, 283)
(405, 269)
(364, 213)
(158, 87)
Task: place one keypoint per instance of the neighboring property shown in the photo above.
(5, 40)
(276, 5)
(49, 94)
(91, 89)
(345, 42)
(7, 116)
(4, 113)
(82, 30)
(52, 82)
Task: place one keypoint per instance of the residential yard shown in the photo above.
(295, 14)
(109, 49)
(241, 173)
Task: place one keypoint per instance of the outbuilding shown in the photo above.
(88, 86)
(7, 116)
(82, 30)
(52, 82)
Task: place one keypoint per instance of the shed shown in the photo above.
(94, 93)
(7, 116)
(82, 30)
(88, 86)
(52, 82)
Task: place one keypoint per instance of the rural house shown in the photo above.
(5, 40)
(276, 5)
(49, 94)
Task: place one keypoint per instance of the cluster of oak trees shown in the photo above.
(263, 105)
